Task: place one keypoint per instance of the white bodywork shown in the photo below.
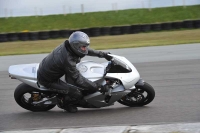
(95, 71)
(128, 79)
(91, 70)
(27, 73)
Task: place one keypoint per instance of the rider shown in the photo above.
(62, 61)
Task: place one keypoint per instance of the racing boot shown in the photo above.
(71, 108)
(68, 104)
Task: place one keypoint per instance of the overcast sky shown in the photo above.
(46, 7)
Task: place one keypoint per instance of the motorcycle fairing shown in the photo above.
(97, 99)
(128, 79)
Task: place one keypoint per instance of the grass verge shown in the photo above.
(106, 42)
(99, 19)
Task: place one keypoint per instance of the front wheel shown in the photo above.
(140, 96)
(25, 95)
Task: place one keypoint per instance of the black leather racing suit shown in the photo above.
(62, 61)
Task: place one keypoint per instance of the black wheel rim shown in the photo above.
(27, 100)
(137, 97)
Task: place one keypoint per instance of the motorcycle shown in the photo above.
(126, 86)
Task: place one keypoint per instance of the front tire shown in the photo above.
(25, 102)
(140, 96)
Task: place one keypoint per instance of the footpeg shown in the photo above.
(47, 101)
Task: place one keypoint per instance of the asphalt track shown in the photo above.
(174, 72)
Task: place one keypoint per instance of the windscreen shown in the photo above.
(118, 66)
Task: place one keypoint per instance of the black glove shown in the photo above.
(103, 88)
(106, 56)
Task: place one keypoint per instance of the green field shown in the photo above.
(106, 42)
(99, 19)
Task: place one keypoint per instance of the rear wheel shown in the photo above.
(25, 95)
(140, 96)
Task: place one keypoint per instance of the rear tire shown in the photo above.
(22, 101)
(141, 96)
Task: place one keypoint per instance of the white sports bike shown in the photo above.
(126, 86)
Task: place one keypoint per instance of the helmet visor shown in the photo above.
(83, 49)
